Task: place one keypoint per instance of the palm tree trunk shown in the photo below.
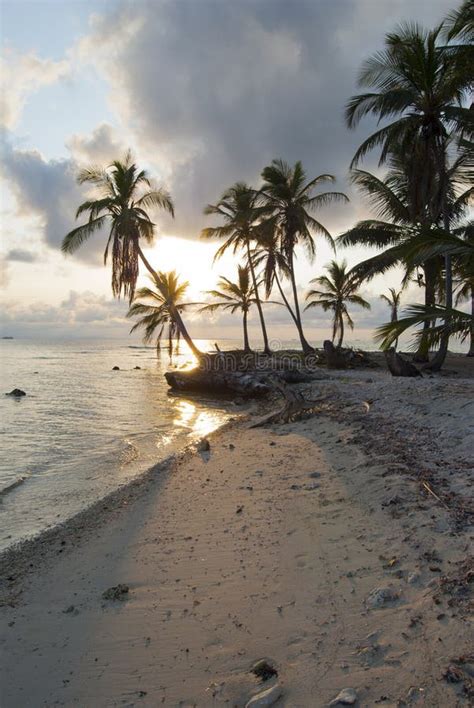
(471, 348)
(394, 318)
(285, 299)
(266, 347)
(341, 331)
(246, 334)
(438, 359)
(174, 311)
(305, 345)
(429, 269)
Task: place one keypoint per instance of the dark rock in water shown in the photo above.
(116, 368)
(17, 393)
(117, 592)
(264, 670)
(137, 367)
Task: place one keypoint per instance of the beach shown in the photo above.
(338, 548)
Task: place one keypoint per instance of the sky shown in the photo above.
(205, 93)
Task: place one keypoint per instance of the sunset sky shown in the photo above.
(205, 93)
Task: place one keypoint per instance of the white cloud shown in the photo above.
(23, 74)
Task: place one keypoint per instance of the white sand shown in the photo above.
(270, 549)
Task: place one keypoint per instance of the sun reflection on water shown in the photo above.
(199, 422)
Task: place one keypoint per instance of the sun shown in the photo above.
(193, 261)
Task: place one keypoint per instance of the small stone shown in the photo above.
(265, 698)
(116, 368)
(231, 446)
(203, 445)
(413, 578)
(315, 475)
(380, 596)
(16, 393)
(137, 367)
(263, 670)
(117, 592)
(346, 697)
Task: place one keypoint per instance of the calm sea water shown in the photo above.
(83, 429)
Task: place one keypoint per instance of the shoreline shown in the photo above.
(16, 558)
(312, 544)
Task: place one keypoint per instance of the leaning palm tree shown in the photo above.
(156, 313)
(239, 296)
(337, 289)
(240, 211)
(393, 301)
(123, 193)
(291, 200)
(415, 81)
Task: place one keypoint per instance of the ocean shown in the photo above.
(83, 429)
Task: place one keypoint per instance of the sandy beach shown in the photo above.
(337, 548)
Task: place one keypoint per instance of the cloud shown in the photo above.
(99, 147)
(213, 91)
(80, 314)
(21, 256)
(23, 75)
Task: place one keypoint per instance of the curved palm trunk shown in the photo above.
(285, 299)
(246, 334)
(266, 347)
(174, 311)
(305, 345)
(394, 318)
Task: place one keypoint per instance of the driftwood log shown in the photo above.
(245, 383)
(398, 366)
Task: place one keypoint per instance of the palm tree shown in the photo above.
(403, 216)
(459, 24)
(156, 314)
(291, 199)
(337, 289)
(234, 297)
(123, 193)
(268, 256)
(416, 81)
(393, 301)
(240, 211)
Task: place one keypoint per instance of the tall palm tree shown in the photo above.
(241, 212)
(402, 215)
(123, 193)
(337, 289)
(291, 199)
(234, 297)
(393, 301)
(156, 312)
(415, 81)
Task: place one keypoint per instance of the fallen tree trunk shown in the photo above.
(245, 383)
(398, 366)
(295, 407)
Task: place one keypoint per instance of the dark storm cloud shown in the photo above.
(209, 91)
(216, 89)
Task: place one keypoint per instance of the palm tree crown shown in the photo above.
(123, 193)
(337, 289)
(158, 310)
(233, 297)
